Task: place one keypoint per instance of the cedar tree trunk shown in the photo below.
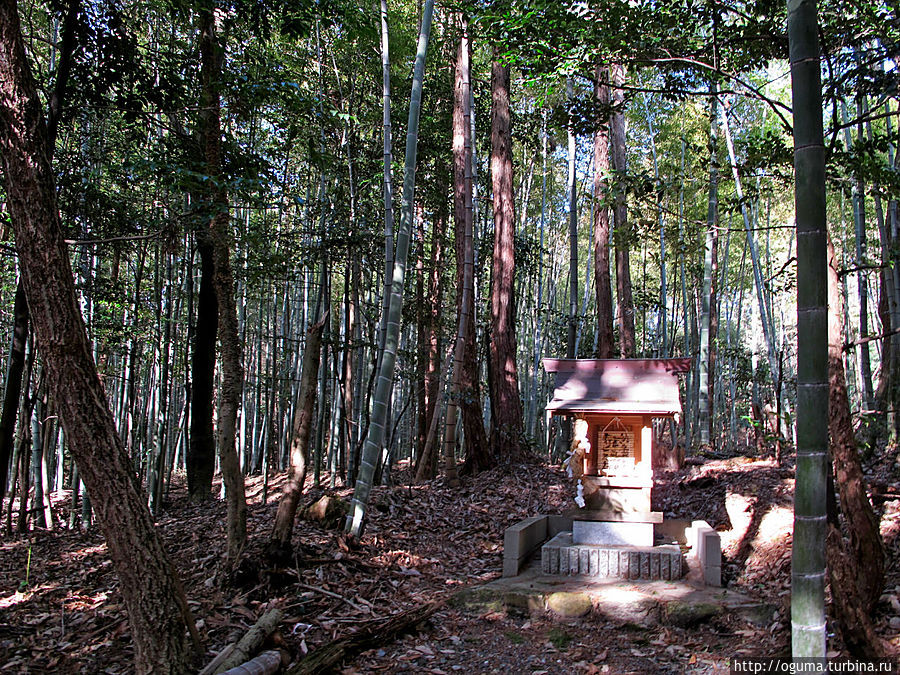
(506, 407)
(13, 387)
(857, 568)
(152, 593)
(467, 389)
(622, 232)
(605, 337)
(201, 455)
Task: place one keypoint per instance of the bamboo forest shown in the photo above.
(484, 336)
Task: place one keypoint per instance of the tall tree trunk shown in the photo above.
(808, 635)
(155, 601)
(506, 406)
(857, 568)
(376, 434)
(709, 320)
(422, 316)
(466, 388)
(621, 228)
(862, 280)
(388, 161)
(232, 370)
(573, 226)
(13, 387)
(279, 547)
(201, 454)
(431, 378)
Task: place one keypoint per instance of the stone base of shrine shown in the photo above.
(605, 528)
(562, 556)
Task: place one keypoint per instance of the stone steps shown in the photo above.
(561, 556)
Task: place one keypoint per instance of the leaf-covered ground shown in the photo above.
(423, 542)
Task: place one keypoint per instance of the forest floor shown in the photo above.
(423, 543)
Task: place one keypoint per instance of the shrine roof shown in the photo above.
(641, 386)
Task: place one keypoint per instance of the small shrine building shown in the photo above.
(614, 402)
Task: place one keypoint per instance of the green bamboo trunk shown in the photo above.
(808, 561)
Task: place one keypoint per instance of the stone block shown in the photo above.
(563, 557)
(520, 541)
(706, 548)
(624, 569)
(612, 534)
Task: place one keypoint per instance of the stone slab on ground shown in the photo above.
(645, 603)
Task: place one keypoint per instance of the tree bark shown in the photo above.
(572, 185)
(201, 455)
(603, 284)
(152, 593)
(280, 541)
(232, 371)
(621, 227)
(506, 406)
(466, 387)
(865, 546)
(13, 388)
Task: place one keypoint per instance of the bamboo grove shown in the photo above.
(637, 202)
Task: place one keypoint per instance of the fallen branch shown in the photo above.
(338, 596)
(247, 645)
(267, 663)
(376, 634)
(213, 665)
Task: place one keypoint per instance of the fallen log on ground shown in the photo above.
(374, 634)
(241, 652)
(267, 663)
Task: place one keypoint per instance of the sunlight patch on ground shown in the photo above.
(79, 603)
(80, 554)
(14, 599)
(404, 559)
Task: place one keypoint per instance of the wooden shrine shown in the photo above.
(614, 402)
